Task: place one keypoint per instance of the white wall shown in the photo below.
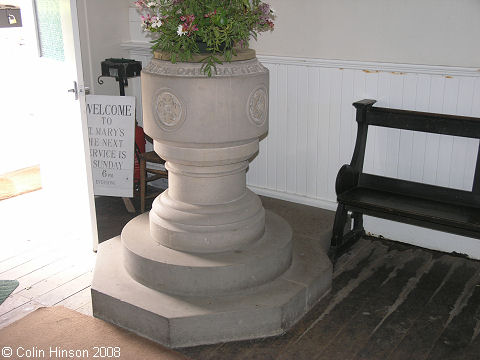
(433, 32)
(103, 28)
(389, 51)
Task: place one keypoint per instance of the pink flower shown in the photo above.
(188, 27)
(265, 9)
(140, 4)
(210, 14)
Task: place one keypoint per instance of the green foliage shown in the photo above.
(214, 27)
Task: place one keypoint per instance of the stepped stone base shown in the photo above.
(183, 273)
(186, 320)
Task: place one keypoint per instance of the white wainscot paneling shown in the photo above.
(312, 133)
(313, 129)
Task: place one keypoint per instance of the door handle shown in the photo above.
(74, 90)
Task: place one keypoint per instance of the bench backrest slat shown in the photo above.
(426, 122)
(476, 178)
(415, 121)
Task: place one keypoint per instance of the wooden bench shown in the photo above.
(435, 207)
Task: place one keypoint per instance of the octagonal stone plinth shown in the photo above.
(182, 320)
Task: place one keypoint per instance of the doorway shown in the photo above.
(46, 236)
(42, 122)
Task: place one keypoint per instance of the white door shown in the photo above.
(50, 89)
(66, 161)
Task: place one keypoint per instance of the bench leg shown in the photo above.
(358, 225)
(342, 241)
(338, 229)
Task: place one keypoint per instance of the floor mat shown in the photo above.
(58, 332)
(20, 182)
(6, 288)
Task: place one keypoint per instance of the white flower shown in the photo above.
(156, 23)
(180, 30)
(151, 4)
(272, 10)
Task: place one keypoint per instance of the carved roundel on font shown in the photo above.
(168, 109)
(258, 106)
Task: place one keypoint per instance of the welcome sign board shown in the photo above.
(111, 133)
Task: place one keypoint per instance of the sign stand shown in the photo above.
(121, 70)
(111, 133)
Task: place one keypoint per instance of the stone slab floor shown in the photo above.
(388, 301)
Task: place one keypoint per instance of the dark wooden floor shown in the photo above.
(388, 301)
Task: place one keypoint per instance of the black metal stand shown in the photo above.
(121, 70)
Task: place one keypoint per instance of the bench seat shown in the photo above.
(438, 215)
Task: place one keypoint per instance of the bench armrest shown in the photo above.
(347, 178)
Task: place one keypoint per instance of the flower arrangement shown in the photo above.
(214, 27)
